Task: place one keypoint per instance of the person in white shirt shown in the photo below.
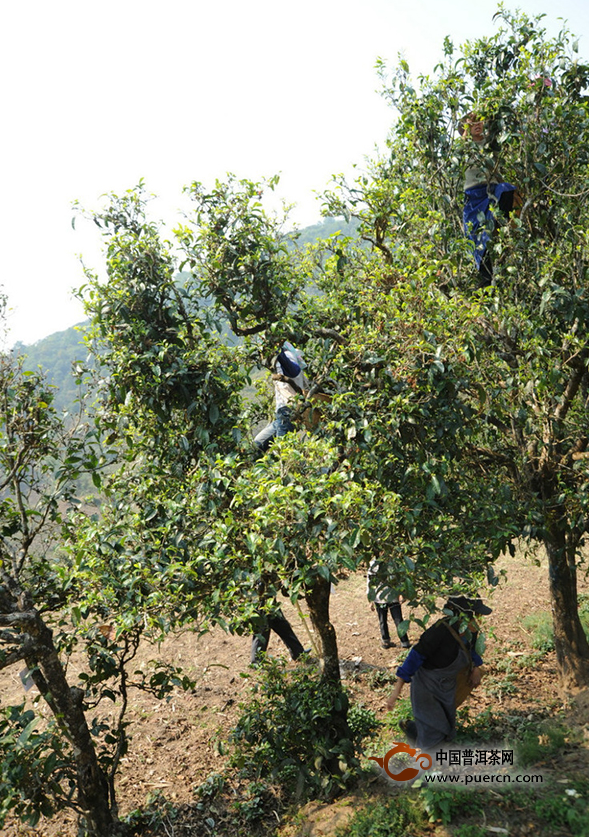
(289, 380)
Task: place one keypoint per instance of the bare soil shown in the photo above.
(174, 745)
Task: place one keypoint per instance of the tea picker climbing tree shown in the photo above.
(173, 399)
(523, 369)
(308, 512)
(216, 532)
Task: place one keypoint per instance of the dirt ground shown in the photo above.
(174, 743)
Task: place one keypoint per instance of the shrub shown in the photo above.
(381, 679)
(363, 722)
(445, 805)
(540, 742)
(294, 732)
(568, 809)
(485, 726)
(36, 777)
(400, 816)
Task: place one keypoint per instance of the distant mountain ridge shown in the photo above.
(57, 353)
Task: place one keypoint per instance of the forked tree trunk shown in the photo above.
(570, 641)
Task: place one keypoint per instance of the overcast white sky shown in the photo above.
(97, 95)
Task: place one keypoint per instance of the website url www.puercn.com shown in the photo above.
(482, 778)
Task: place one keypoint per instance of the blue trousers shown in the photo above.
(279, 427)
(480, 221)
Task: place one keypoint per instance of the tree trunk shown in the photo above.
(572, 648)
(66, 705)
(317, 598)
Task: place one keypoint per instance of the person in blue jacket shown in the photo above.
(485, 192)
(432, 668)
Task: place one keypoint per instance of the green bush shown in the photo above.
(381, 679)
(540, 742)
(214, 784)
(294, 733)
(363, 722)
(399, 816)
(445, 805)
(254, 802)
(155, 815)
(485, 726)
(36, 777)
(568, 809)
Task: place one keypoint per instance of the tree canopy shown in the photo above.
(523, 372)
(453, 421)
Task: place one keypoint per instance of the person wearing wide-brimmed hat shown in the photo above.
(444, 653)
